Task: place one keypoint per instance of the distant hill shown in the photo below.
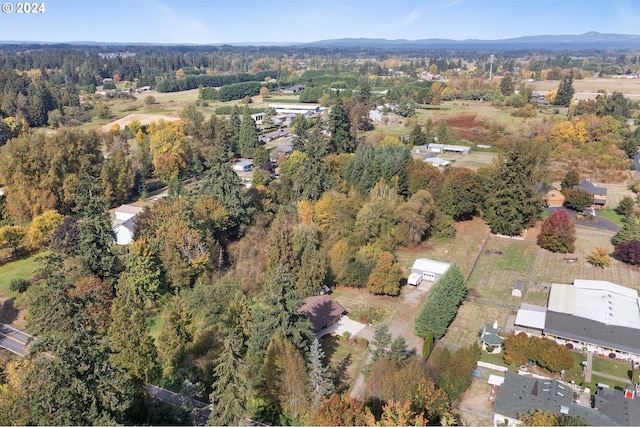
(590, 40)
(582, 41)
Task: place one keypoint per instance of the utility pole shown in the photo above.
(491, 69)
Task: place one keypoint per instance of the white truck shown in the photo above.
(414, 279)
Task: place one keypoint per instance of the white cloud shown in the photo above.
(412, 17)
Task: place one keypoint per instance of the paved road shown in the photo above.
(14, 340)
(597, 222)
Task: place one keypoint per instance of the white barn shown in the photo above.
(430, 269)
(124, 231)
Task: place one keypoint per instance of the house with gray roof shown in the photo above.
(599, 194)
(491, 341)
(623, 407)
(519, 395)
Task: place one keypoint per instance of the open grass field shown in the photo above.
(502, 262)
(20, 269)
(575, 372)
(344, 359)
(552, 268)
(462, 249)
(614, 367)
(597, 379)
(468, 323)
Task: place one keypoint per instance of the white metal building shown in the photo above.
(430, 269)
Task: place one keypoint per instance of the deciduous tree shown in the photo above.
(558, 233)
(628, 252)
(385, 276)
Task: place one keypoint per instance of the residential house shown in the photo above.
(623, 407)
(322, 311)
(124, 231)
(491, 341)
(123, 223)
(599, 194)
(429, 268)
(520, 395)
(126, 212)
(553, 197)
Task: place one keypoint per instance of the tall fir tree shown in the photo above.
(630, 230)
(319, 376)
(565, 91)
(340, 129)
(248, 137)
(441, 304)
(233, 130)
(279, 314)
(229, 390)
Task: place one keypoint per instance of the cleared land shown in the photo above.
(588, 88)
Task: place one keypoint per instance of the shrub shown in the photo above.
(362, 342)
(346, 335)
(599, 257)
(149, 100)
(628, 252)
(18, 285)
(427, 346)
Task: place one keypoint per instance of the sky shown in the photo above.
(280, 21)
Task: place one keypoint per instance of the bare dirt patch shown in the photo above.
(474, 408)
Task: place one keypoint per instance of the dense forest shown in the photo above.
(222, 268)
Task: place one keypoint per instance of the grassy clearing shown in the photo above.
(597, 379)
(499, 266)
(575, 372)
(611, 215)
(614, 367)
(462, 249)
(468, 323)
(552, 268)
(345, 360)
(155, 322)
(20, 269)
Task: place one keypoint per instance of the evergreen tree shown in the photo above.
(398, 352)
(578, 199)
(364, 92)
(507, 85)
(133, 348)
(630, 230)
(565, 91)
(417, 136)
(279, 315)
(340, 129)
(248, 137)
(512, 201)
(319, 376)
(570, 179)
(70, 365)
(229, 390)
(280, 241)
(222, 183)
(441, 304)
(233, 130)
(626, 206)
(381, 342)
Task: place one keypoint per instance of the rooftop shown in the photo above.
(621, 410)
(320, 310)
(520, 395)
(431, 265)
(590, 188)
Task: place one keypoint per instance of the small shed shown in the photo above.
(430, 268)
(517, 289)
(437, 162)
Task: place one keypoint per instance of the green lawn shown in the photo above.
(611, 366)
(344, 359)
(611, 215)
(156, 324)
(20, 269)
(575, 373)
(595, 380)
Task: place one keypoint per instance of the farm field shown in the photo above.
(588, 88)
